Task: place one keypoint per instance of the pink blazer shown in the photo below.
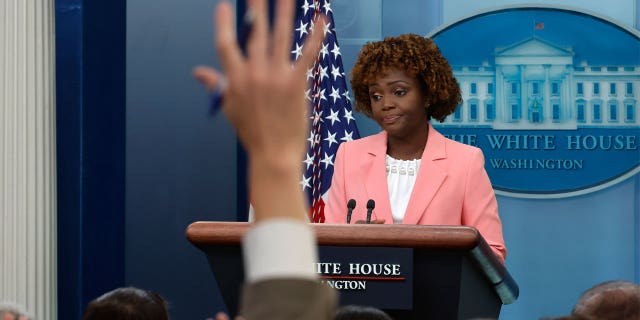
(452, 187)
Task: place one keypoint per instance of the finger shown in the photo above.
(210, 78)
(282, 37)
(259, 36)
(228, 50)
(312, 46)
(222, 316)
(379, 221)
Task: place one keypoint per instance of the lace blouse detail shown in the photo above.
(401, 176)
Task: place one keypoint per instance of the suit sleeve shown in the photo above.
(480, 208)
(280, 278)
(336, 208)
(288, 299)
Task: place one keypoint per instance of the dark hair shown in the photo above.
(355, 312)
(127, 304)
(609, 300)
(418, 57)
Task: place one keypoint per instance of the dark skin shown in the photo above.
(399, 106)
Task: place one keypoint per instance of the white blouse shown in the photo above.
(401, 176)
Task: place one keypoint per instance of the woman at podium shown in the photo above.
(409, 173)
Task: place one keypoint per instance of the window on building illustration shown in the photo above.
(535, 88)
(474, 88)
(514, 88)
(596, 88)
(629, 89)
(612, 88)
(490, 88)
(580, 113)
(580, 88)
(555, 112)
(596, 68)
(555, 88)
(613, 111)
(535, 111)
(473, 111)
(597, 113)
(515, 111)
(630, 114)
(490, 111)
(457, 115)
(536, 117)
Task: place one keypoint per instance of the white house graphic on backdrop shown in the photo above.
(535, 85)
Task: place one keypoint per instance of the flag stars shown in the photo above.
(325, 50)
(321, 96)
(310, 73)
(348, 136)
(306, 6)
(311, 139)
(327, 29)
(331, 139)
(333, 117)
(326, 81)
(297, 51)
(327, 7)
(323, 73)
(317, 117)
(346, 95)
(302, 29)
(335, 94)
(336, 51)
(312, 26)
(327, 160)
(335, 72)
(305, 183)
(309, 160)
(348, 115)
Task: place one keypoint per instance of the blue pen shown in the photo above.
(217, 95)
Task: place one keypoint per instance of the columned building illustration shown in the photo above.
(536, 85)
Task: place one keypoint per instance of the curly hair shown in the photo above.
(418, 57)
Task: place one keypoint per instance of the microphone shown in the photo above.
(370, 205)
(350, 206)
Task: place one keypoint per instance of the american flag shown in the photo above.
(331, 116)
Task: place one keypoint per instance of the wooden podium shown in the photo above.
(410, 271)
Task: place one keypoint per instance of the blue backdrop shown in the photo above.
(139, 160)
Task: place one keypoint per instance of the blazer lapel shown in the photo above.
(430, 178)
(376, 179)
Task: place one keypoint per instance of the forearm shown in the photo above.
(274, 187)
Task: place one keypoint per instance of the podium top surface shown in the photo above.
(380, 235)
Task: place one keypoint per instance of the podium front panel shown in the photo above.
(376, 276)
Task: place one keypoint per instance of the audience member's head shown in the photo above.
(127, 303)
(354, 312)
(13, 311)
(609, 300)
